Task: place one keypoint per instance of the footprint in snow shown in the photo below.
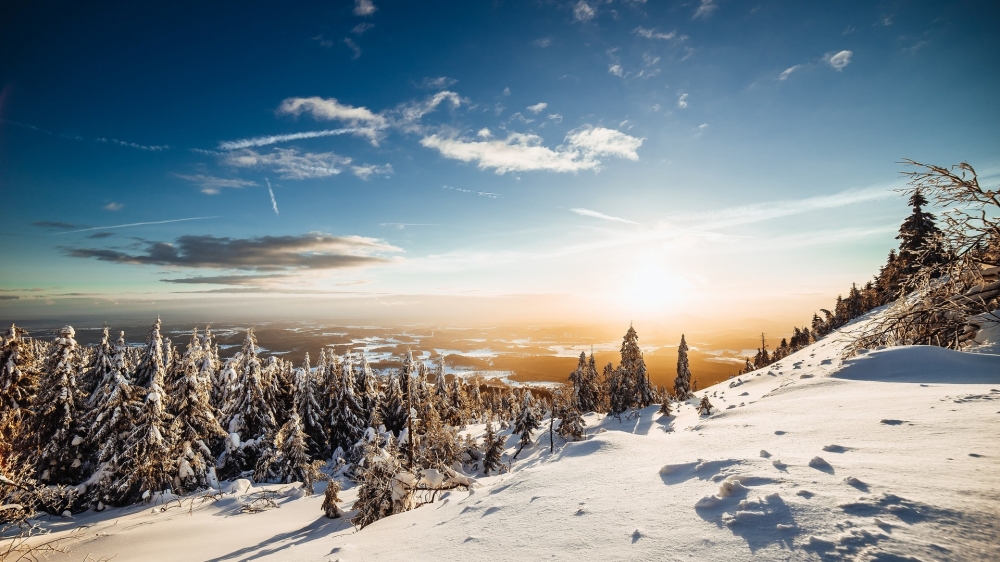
(893, 422)
(852, 481)
(836, 449)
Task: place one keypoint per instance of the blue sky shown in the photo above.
(575, 160)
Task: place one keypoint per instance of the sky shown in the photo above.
(474, 162)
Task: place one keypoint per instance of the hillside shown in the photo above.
(889, 456)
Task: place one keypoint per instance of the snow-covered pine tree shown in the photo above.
(665, 406)
(18, 379)
(145, 465)
(377, 486)
(682, 384)
(493, 448)
(393, 407)
(291, 461)
(54, 434)
(586, 384)
(527, 422)
(571, 423)
(705, 407)
(330, 499)
(307, 403)
(151, 361)
(441, 397)
(438, 445)
(366, 387)
(918, 235)
(619, 390)
(346, 423)
(99, 367)
(249, 414)
(579, 376)
(111, 418)
(634, 370)
(456, 404)
(195, 428)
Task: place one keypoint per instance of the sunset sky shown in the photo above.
(471, 160)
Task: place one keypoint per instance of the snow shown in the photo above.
(888, 456)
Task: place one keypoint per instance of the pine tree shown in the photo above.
(152, 360)
(99, 367)
(249, 413)
(705, 407)
(292, 462)
(195, 427)
(665, 406)
(493, 446)
(918, 235)
(438, 445)
(394, 413)
(366, 388)
(682, 384)
(346, 425)
(145, 465)
(633, 368)
(526, 423)
(571, 423)
(619, 390)
(18, 380)
(377, 486)
(585, 384)
(330, 499)
(112, 415)
(55, 430)
(307, 404)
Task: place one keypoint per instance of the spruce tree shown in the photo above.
(195, 428)
(633, 368)
(585, 384)
(682, 384)
(330, 499)
(18, 380)
(377, 485)
(112, 416)
(571, 423)
(705, 407)
(346, 423)
(145, 465)
(493, 446)
(307, 403)
(918, 235)
(291, 462)
(249, 412)
(55, 431)
(152, 360)
(393, 407)
(99, 367)
(526, 423)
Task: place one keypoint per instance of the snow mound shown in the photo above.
(922, 364)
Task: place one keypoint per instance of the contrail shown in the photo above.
(136, 224)
(274, 139)
(274, 204)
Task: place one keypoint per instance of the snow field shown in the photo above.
(890, 456)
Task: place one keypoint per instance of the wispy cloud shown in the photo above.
(105, 140)
(227, 279)
(289, 163)
(361, 28)
(112, 206)
(364, 7)
(705, 9)
(403, 225)
(521, 152)
(682, 100)
(137, 224)
(366, 171)
(788, 72)
(838, 60)
(56, 225)
(487, 194)
(617, 70)
(654, 34)
(542, 43)
(275, 139)
(538, 107)
(311, 251)
(210, 184)
(355, 50)
(600, 215)
(438, 83)
(274, 202)
(583, 11)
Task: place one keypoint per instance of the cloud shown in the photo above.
(131, 224)
(617, 70)
(274, 202)
(439, 83)
(274, 139)
(521, 152)
(56, 225)
(289, 163)
(599, 215)
(312, 251)
(9, 297)
(355, 50)
(838, 60)
(538, 107)
(211, 184)
(582, 11)
(368, 170)
(682, 100)
(361, 28)
(654, 34)
(149, 148)
(364, 7)
(542, 43)
(705, 9)
(788, 72)
(484, 133)
(99, 235)
(487, 194)
(112, 206)
(226, 279)
(556, 117)
(406, 116)
(364, 121)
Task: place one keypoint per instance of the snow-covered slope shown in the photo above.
(890, 456)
